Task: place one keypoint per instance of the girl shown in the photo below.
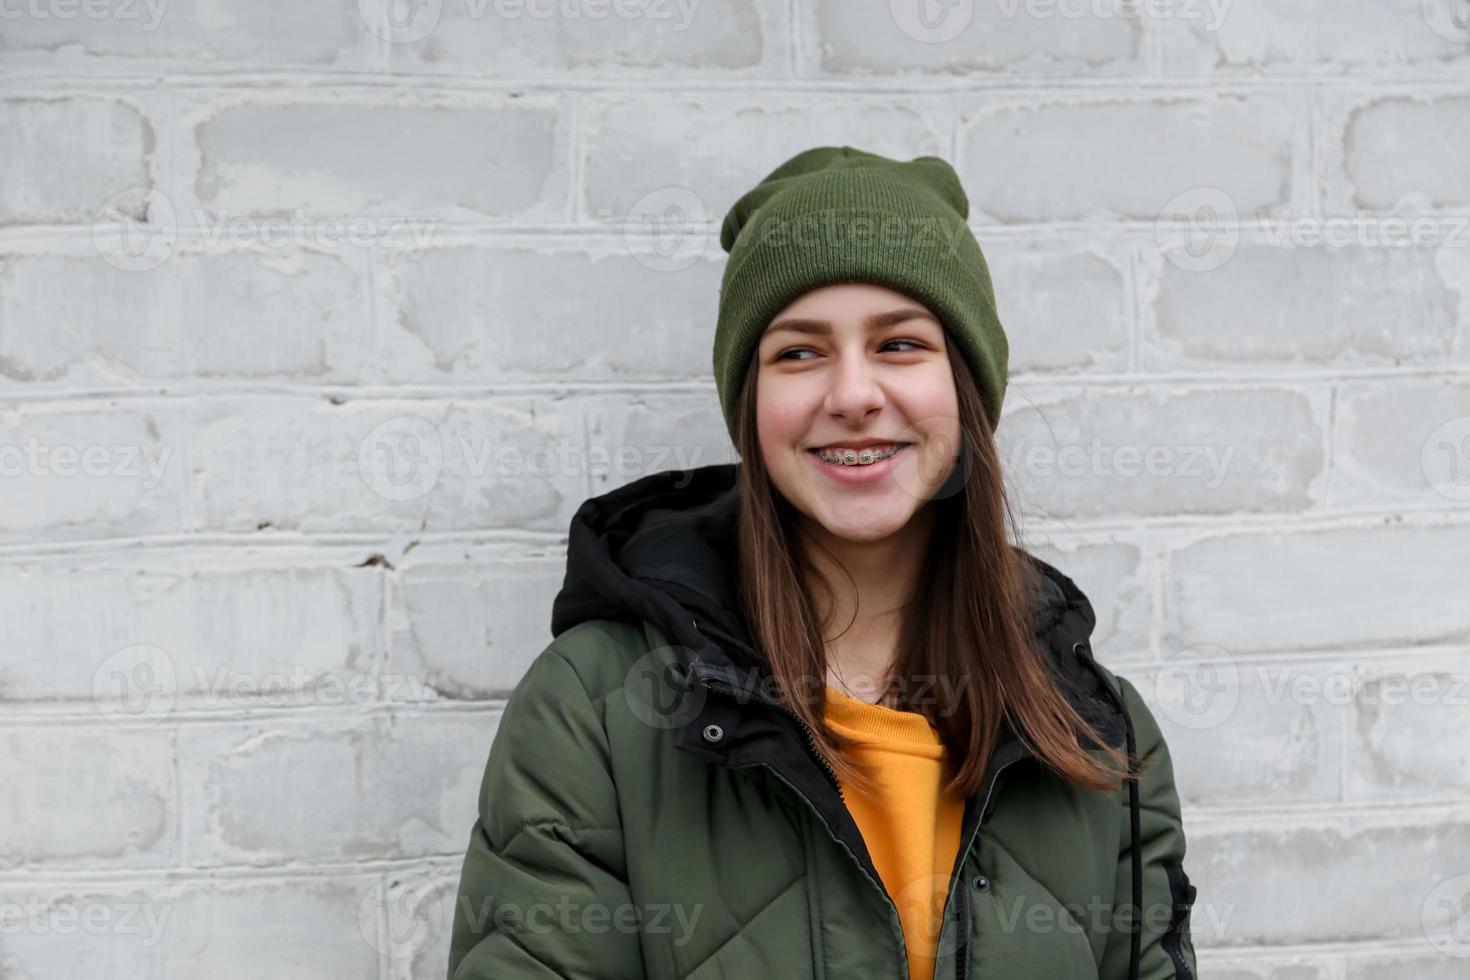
(812, 715)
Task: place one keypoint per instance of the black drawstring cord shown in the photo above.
(1134, 821)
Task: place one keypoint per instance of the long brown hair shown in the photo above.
(965, 633)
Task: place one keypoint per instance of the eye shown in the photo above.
(798, 350)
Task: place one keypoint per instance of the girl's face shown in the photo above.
(849, 364)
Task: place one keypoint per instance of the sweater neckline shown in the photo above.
(876, 723)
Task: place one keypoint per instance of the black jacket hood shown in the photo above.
(662, 549)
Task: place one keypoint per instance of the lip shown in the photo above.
(871, 473)
(858, 444)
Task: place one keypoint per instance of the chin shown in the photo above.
(860, 524)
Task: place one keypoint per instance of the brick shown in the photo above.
(1020, 162)
(128, 31)
(452, 626)
(226, 930)
(1268, 305)
(248, 314)
(1334, 589)
(307, 464)
(488, 160)
(528, 317)
(1025, 37)
(234, 632)
(60, 782)
(1421, 964)
(81, 470)
(1381, 176)
(1275, 966)
(1402, 441)
(1370, 881)
(1148, 451)
(65, 157)
(1282, 35)
(636, 146)
(1408, 730)
(1063, 309)
(282, 791)
(505, 38)
(633, 436)
(1275, 734)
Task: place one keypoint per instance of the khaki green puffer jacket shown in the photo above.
(649, 810)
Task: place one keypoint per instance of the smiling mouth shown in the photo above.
(866, 456)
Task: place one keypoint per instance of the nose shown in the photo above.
(855, 392)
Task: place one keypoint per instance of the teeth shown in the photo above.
(857, 457)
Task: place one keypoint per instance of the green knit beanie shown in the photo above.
(837, 214)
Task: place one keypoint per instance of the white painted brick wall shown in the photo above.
(292, 295)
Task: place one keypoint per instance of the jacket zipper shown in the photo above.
(721, 686)
(961, 949)
(961, 959)
(902, 944)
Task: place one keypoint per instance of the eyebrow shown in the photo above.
(804, 325)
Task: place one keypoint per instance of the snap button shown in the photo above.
(981, 883)
(713, 733)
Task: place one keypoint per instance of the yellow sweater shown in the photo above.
(912, 831)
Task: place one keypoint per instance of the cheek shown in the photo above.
(780, 416)
(932, 403)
